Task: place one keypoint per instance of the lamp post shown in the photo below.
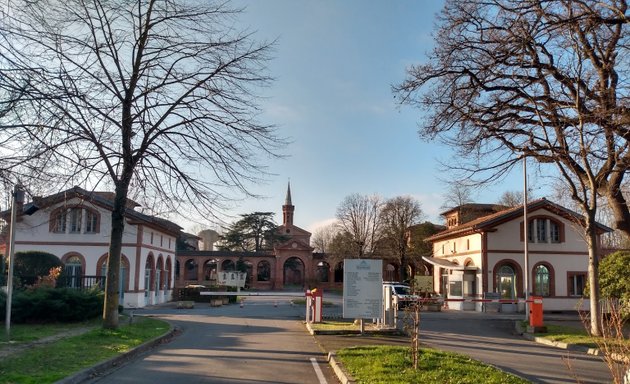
(17, 199)
(525, 238)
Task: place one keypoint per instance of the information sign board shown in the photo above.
(362, 288)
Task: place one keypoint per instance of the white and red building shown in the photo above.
(75, 226)
(482, 254)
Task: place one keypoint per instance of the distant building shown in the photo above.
(75, 226)
(482, 251)
(291, 264)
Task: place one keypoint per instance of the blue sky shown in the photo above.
(334, 64)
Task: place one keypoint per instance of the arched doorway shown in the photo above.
(228, 266)
(190, 270)
(339, 272)
(323, 270)
(149, 279)
(293, 272)
(264, 271)
(73, 270)
(123, 275)
(390, 273)
(249, 269)
(210, 268)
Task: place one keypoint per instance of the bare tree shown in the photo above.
(397, 216)
(511, 198)
(323, 237)
(359, 216)
(156, 96)
(542, 79)
(457, 194)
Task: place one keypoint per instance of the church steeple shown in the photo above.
(288, 208)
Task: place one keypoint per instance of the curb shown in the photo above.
(556, 344)
(314, 332)
(117, 361)
(343, 376)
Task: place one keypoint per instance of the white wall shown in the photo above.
(33, 233)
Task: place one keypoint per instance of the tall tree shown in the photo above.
(511, 198)
(418, 247)
(359, 216)
(397, 216)
(323, 237)
(541, 79)
(156, 96)
(457, 194)
(254, 232)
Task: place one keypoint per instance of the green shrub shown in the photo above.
(31, 264)
(43, 305)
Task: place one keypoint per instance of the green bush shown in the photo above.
(44, 305)
(614, 279)
(31, 264)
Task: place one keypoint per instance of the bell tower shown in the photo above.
(288, 208)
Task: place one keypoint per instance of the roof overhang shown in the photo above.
(443, 263)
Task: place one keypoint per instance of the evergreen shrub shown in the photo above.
(47, 305)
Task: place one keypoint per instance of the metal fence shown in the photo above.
(76, 282)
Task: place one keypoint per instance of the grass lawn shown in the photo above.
(48, 363)
(335, 326)
(572, 335)
(23, 333)
(569, 335)
(391, 365)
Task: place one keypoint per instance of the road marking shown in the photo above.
(318, 371)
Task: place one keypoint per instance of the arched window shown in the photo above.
(58, 220)
(92, 221)
(75, 220)
(264, 271)
(541, 281)
(545, 230)
(506, 282)
(73, 271)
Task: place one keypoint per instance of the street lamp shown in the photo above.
(17, 199)
(525, 237)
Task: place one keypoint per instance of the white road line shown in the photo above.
(318, 371)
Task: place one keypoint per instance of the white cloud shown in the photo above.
(319, 224)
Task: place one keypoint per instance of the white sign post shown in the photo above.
(362, 288)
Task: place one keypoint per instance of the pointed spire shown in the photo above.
(288, 208)
(287, 200)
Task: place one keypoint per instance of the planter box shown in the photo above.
(185, 304)
(216, 302)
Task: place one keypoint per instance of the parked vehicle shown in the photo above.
(401, 293)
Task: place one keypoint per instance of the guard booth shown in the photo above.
(314, 305)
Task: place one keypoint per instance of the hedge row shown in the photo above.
(43, 305)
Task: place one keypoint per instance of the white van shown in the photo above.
(401, 293)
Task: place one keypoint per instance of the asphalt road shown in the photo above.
(492, 340)
(263, 342)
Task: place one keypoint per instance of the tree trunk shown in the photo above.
(619, 206)
(112, 284)
(593, 273)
